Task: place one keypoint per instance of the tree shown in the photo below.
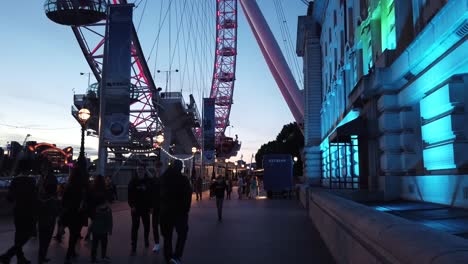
(289, 141)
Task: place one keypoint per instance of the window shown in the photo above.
(334, 18)
(387, 24)
(350, 27)
(342, 46)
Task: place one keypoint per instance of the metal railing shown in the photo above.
(91, 5)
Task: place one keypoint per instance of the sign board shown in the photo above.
(115, 92)
(208, 130)
(278, 172)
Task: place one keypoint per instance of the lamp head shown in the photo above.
(84, 115)
(160, 139)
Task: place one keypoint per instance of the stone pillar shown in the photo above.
(311, 53)
(389, 145)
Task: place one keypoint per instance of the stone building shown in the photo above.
(386, 90)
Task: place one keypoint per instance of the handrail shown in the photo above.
(59, 5)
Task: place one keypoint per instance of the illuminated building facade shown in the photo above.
(386, 90)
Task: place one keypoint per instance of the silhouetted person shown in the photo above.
(102, 223)
(240, 186)
(176, 198)
(60, 227)
(139, 200)
(253, 188)
(22, 192)
(96, 194)
(228, 189)
(47, 209)
(193, 179)
(111, 190)
(74, 208)
(156, 210)
(219, 187)
(199, 188)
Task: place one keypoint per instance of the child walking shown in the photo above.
(102, 226)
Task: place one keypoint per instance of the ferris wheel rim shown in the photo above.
(223, 102)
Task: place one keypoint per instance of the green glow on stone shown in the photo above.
(387, 24)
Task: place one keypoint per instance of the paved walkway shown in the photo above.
(253, 231)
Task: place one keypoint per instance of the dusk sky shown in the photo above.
(41, 65)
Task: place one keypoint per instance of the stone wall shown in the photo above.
(355, 233)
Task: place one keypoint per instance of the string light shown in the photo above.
(152, 150)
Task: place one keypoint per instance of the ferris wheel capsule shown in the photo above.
(75, 12)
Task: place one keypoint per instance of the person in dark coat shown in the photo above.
(228, 189)
(176, 198)
(74, 208)
(22, 192)
(47, 209)
(111, 190)
(199, 188)
(155, 193)
(96, 194)
(219, 187)
(139, 200)
(60, 228)
(102, 223)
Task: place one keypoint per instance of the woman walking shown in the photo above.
(102, 220)
(228, 189)
(48, 209)
(74, 209)
(253, 188)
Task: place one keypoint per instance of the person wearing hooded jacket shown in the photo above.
(176, 198)
(140, 203)
(21, 192)
(48, 209)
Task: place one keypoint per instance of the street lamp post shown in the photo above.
(226, 168)
(235, 175)
(89, 77)
(83, 117)
(194, 150)
(159, 141)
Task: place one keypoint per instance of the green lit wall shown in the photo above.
(387, 24)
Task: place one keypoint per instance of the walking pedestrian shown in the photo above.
(156, 210)
(212, 191)
(74, 208)
(176, 198)
(199, 188)
(102, 226)
(111, 190)
(253, 188)
(60, 227)
(247, 187)
(47, 209)
(193, 178)
(97, 193)
(228, 189)
(219, 187)
(139, 201)
(91, 207)
(22, 192)
(240, 185)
